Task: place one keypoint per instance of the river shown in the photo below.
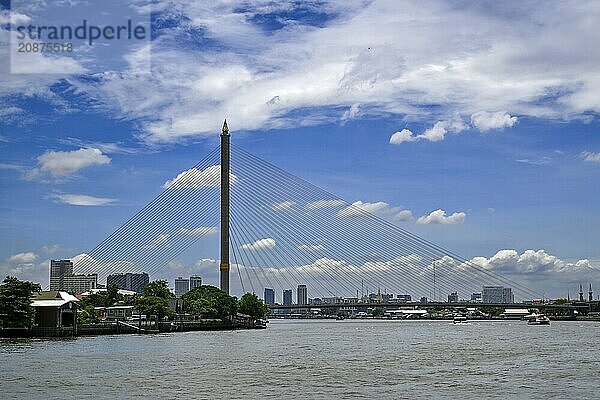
(374, 359)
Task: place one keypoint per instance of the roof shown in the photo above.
(516, 311)
(52, 298)
(120, 291)
(118, 307)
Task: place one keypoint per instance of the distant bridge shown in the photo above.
(358, 305)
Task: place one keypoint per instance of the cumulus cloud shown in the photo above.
(161, 240)
(199, 231)
(311, 247)
(352, 112)
(20, 258)
(434, 134)
(260, 244)
(439, 217)
(478, 59)
(326, 203)
(404, 215)
(379, 208)
(485, 121)
(590, 157)
(63, 163)
(81, 199)
(283, 206)
(194, 178)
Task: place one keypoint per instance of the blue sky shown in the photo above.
(486, 112)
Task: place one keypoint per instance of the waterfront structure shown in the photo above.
(476, 298)
(269, 296)
(55, 313)
(497, 295)
(287, 297)
(129, 281)
(403, 298)
(182, 286)
(224, 266)
(62, 278)
(118, 313)
(195, 281)
(302, 295)
(453, 297)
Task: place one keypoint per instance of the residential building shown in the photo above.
(453, 297)
(269, 296)
(497, 295)
(182, 286)
(129, 281)
(59, 269)
(195, 281)
(403, 298)
(302, 295)
(63, 278)
(287, 297)
(476, 297)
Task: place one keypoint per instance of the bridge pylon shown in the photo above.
(225, 161)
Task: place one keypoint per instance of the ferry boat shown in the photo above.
(538, 319)
(460, 319)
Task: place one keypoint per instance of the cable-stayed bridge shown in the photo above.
(280, 231)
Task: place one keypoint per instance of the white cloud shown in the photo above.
(352, 112)
(434, 134)
(283, 206)
(161, 240)
(23, 258)
(471, 59)
(81, 199)
(194, 178)
(326, 203)
(439, 217)
(309, 248)
(402, 136)
(485, 121)
(404, 215)
(13, 18)
(63, 163)
(260, 244)
(199, 232)
(590, 157)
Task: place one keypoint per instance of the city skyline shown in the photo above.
(466, 142)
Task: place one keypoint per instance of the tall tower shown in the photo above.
(591, 294)
(224, 266)
(580, 292)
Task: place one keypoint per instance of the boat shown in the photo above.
(538, 319)
(460, 319)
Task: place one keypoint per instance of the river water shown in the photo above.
(373, 359)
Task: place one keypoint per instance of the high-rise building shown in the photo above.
(129, 281)
(497, 295)
(59, 269)
(269, 296)
(302, 295)
(453, 297)
(476, 297)
(182, 286)
(195, 281)
(287, 297)
(63, 278)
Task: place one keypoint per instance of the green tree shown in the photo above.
(15, 302)
(158, 289)
(210, 302)
(154, 305)
(378, 312)
(251, 305)
(86, 314)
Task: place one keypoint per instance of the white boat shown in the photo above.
(460, 319)
(538, 319)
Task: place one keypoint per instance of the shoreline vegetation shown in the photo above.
(27, 311)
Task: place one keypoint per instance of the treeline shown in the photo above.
(206, 302)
